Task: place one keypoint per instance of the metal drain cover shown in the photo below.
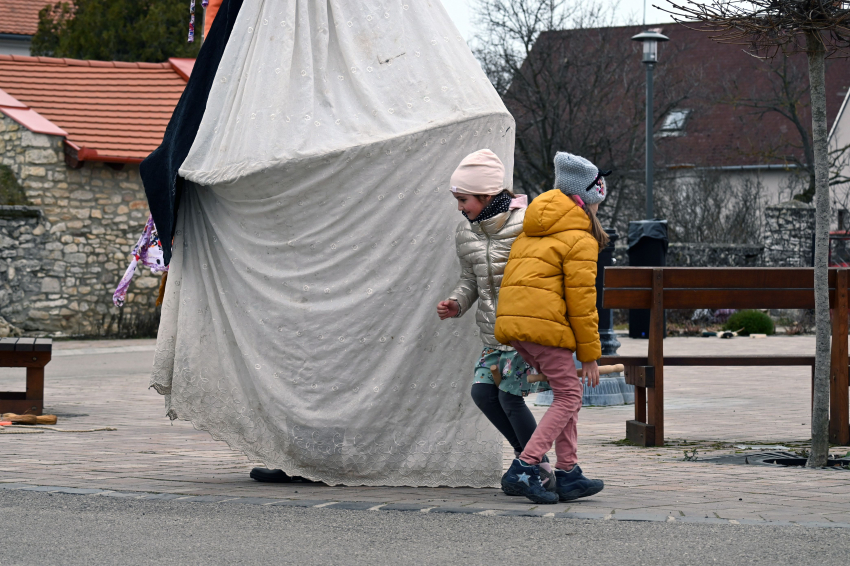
(772, 459)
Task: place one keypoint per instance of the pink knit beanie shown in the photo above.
(480, 173)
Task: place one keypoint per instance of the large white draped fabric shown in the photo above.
(315, 239)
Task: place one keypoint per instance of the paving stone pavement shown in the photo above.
(94, 384)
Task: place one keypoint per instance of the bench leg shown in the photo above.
(637, 431)
(655, 395)
(839, 407)
(640, 404)
(35, 390)
(655, 414)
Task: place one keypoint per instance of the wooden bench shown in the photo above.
(659, 288)
(33, 354)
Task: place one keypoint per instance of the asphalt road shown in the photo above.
(45, 529)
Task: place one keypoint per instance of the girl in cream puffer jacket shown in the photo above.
(494, 219)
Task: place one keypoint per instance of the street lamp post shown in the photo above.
(650, 41)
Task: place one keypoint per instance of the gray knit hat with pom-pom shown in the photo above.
(575, 175)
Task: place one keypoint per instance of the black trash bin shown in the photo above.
(606, 317)
(647, 248)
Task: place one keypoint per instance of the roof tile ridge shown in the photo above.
(22, 58)
(76, 62)
(39, 59)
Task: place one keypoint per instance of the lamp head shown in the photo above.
(650, 41)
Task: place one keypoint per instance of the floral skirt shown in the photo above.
(512, 367)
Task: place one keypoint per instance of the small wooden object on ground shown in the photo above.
(603, 370)
(29, 419)
(659, 288)
(32, 354)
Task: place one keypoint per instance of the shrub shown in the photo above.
(752, 322)
(11, 192)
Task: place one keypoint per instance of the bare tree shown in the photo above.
(579, 90)
(706, 206)
(785, 93)
(818, 28)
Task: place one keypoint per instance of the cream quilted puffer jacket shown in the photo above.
(483, 249)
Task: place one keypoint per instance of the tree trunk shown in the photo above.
(820, 406)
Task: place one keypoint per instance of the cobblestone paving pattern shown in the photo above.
(94, 384)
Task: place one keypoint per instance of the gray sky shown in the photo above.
(460, 12)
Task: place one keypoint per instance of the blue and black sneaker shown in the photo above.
(524, 479)
(573, 484)
(547, 478)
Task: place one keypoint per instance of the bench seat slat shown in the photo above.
(740, 278)
(758, 360)
(43, 345)
(714, 298)
(716, 277)
(739, 299)
(626, 298)
(25, 345)
(8, 344)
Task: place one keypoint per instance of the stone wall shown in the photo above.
(788, 234)
(788, 231)
(61, 258)
(704, 255)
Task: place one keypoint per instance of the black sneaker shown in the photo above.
(276, 476)
(524, 479)
(573, 484)
(547, 478)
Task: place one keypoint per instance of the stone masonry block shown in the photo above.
(75, 258)
(41, 156)
(30, 171)
(50, 285)
(30, 139)
(146, 282)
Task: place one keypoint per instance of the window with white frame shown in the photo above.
(674, 123)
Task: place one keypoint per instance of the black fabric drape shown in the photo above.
(159, 171)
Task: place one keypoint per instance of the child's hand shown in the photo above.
(447, 309)
(591, 373)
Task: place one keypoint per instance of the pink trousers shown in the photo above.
(558, 425)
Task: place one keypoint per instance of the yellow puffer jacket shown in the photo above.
(548, 293)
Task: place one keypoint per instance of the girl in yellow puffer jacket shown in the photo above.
(494, 218)
(547, 311)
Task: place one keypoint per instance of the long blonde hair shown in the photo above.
(596, 228)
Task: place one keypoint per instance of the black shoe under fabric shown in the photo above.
(276, 476)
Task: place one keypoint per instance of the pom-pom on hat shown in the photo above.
(575, 175)
(480, 173)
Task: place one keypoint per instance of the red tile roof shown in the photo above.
(20, 17)
(111, 111)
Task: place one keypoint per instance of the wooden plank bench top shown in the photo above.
(659, 288)
(32, 354)
(716, 361)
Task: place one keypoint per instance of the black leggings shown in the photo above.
(508, 413)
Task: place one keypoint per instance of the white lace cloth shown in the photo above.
(299, 321)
